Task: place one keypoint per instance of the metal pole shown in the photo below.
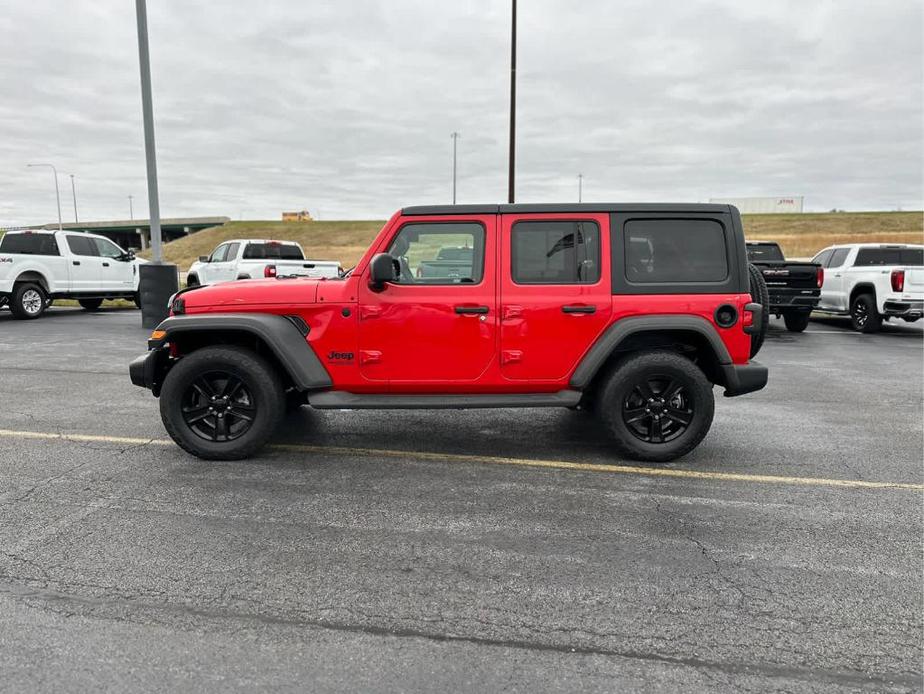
(513, 104)
(131, 209)
(147, 110)
(455, 139)
(74, 193)
(580, 187)
(57, 192)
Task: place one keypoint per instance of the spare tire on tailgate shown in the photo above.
(760, 295)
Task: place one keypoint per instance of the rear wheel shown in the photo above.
(796, 321)
(222, 403)
(28, 301)
(864, 317)
(760, 295)
(90, 304)
(658, 406)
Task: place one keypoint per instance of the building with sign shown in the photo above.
(779, 205)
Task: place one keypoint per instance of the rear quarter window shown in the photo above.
(29, 244)
(675, 251)
(867, 257)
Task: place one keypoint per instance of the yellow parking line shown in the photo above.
(499, 460)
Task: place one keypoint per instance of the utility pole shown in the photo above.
(580, 187)
(158, 281)
(455, 139)
(513, 105)
(74, 193)
(57, 192)
(131, 209)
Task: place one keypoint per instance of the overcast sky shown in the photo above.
(346, 107)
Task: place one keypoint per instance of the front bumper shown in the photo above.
(905, 309)
(744, 378)
(147, 370)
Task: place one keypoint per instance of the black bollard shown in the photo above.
(158, 282)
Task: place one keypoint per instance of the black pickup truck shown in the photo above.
(794, 287)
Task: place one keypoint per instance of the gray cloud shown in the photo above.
(346, 107)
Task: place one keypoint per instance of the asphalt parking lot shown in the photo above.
(476, 550)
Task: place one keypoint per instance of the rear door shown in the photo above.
(85, 264)
(555, 292)
(117, 272)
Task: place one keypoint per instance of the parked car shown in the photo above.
(793, 287)
(631, 311)
(37, 267)
(244, 259)
(873, 282)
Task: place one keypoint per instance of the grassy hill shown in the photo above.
(801, 235)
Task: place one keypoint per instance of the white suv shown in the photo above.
(872, 282)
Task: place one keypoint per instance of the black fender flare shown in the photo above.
(285, 336)
(617, 333)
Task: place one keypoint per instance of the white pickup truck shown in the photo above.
(37, 267)
(872, 282)
(244, 259)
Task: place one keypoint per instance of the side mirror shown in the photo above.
(383, 269)
(128, 256)
(203, 259)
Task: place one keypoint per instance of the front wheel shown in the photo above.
(796, 321)
(28, 301)
(658, 406)
(864, 316)
(222, 403)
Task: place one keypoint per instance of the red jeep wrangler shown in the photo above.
(632, 311)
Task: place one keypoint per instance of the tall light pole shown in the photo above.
(158, 281)
(455, 139)
(513, 104)
(131, 209)
(580, 187)
(74, 193)
(57, 192)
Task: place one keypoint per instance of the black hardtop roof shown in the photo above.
(529, 208)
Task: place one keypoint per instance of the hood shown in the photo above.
(242, 293)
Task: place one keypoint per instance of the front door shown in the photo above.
(436, 326)
(117, 273)
(555, 292)
(834, 294)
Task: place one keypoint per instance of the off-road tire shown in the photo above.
(257, 375)
(864, 316)
(90, 304)
(760, 295)
(23, 304)
(796, 321)
(619, 390)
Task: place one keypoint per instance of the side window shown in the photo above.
(231, 253)
(107, 248)
(823, 257)
(219, 254)
(555, 252)
(877, 256)
(81, 245)
(675, 251)
(29, 244)
(439, 253)
(838, 257)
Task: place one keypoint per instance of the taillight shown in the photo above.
(898, 280)
(820, 276)
(269, 271)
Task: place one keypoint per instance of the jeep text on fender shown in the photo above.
(631, 311)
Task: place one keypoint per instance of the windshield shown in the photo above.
(764, 251)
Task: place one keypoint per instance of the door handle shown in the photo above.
(837, 274)
(579, 309)
(105, 264)
(76, 262)
(467, 310)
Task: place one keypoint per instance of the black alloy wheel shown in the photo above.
(658, 409)
(218, 406)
